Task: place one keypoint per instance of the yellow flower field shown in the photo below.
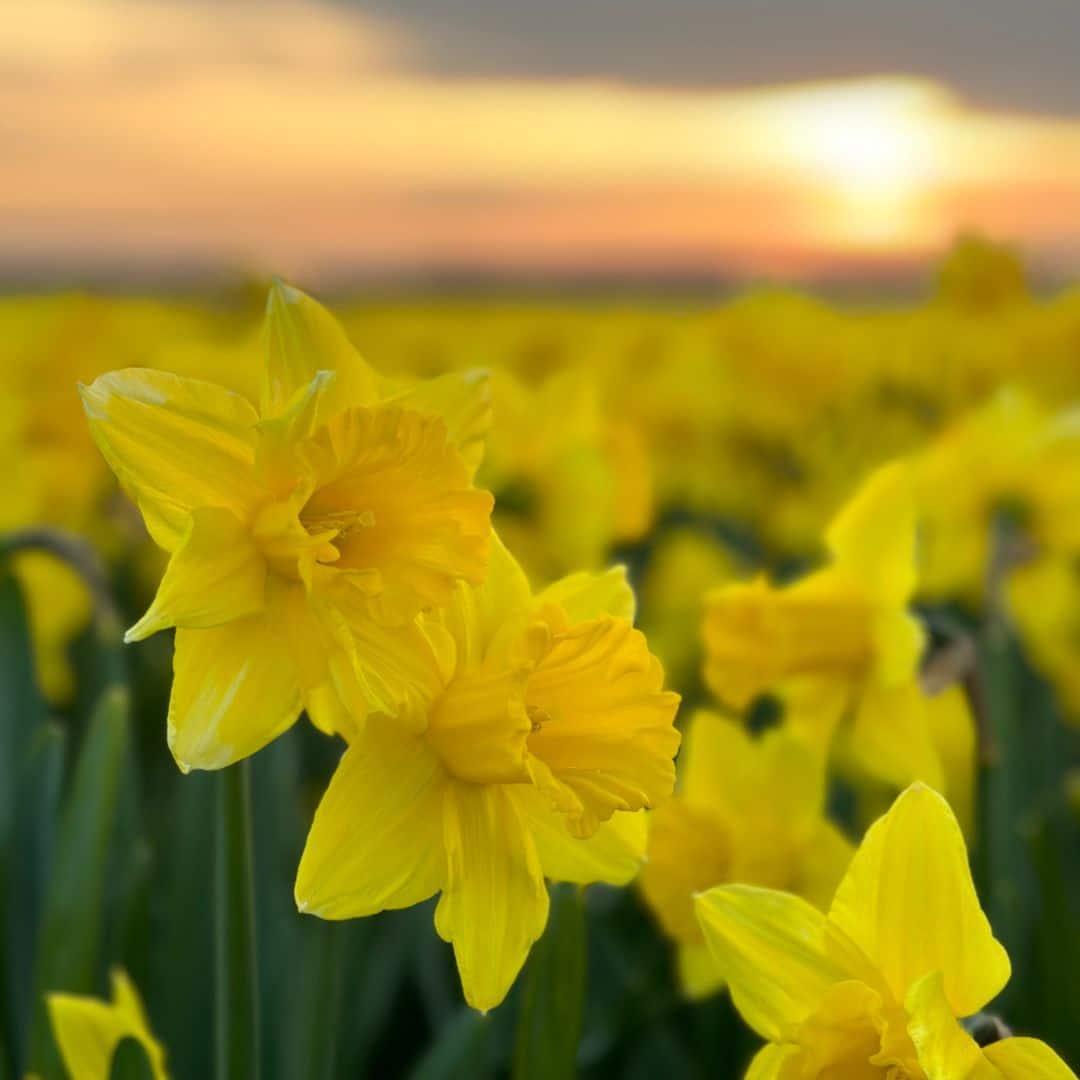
(464, 687)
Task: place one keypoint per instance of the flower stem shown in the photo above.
(236, 974)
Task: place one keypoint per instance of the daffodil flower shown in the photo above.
(747, 810)
(544, 728)
(879, 986)
(88, 1030)
(306, 533)
(840, 642)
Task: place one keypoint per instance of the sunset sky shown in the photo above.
(332, 140)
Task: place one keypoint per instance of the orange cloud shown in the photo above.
(294, 136)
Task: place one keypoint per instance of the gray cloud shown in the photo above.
(1002, 53)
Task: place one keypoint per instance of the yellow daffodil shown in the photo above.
(877, 987)
(841, 641)
(88, 1030)
(683, 561)
(544, 728)
(747, 810)
(306, 532)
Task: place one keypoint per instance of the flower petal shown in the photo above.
(87, 1031)
(890, 736)
(175, 444)
(613, 854)
(604, 734)
(770, 947)
(495, 902)
(301, 338)
(945, 1049)
(215, 575)
(873, 536)
(235, 687)
(377, 840)
(1026, 1059)
(586, 596)
(770, 1062)
(401, 498)
(699, 976)
(909, 904)
(462, 399)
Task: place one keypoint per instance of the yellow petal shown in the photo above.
(301, 338)
(377, 839)
(823, 863)
(699, 976)
(909, 904)
(586, 596)
(770, 948)
(216, 574)
(235, 688)
(462, 399)
(952, 731)
(890, 736)
(1026, 1059)
(873, 537)
(495, 903)
(399, 496)
(944, 1048)
(603, 733)
(690, 850)
(476, 614)
(87, 1030)
(613, 854)
(770, 1063)
(175, 444)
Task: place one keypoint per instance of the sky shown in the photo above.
(338, 140)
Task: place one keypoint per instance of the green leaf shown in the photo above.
(36, 819)
(460, 1050)
(22, 712)
(130, 1061)
(69, 948)
(549, 1028)
(236, 975)
(321, 976)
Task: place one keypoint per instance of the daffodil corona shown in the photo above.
(879, 986)
(306, 534)
(542, 730)
(839, 643)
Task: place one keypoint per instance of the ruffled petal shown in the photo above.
(462, 399)
(399, 496)
(613, 854)
(603, 728)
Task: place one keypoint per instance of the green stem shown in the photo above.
(236, 977)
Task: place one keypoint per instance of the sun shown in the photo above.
(873, 150)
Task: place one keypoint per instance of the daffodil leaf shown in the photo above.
(460, 1050)
(236, 974)
(33, 837)
(22, 709)
(68, 956)
(130, 1061)
(549, 1027)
